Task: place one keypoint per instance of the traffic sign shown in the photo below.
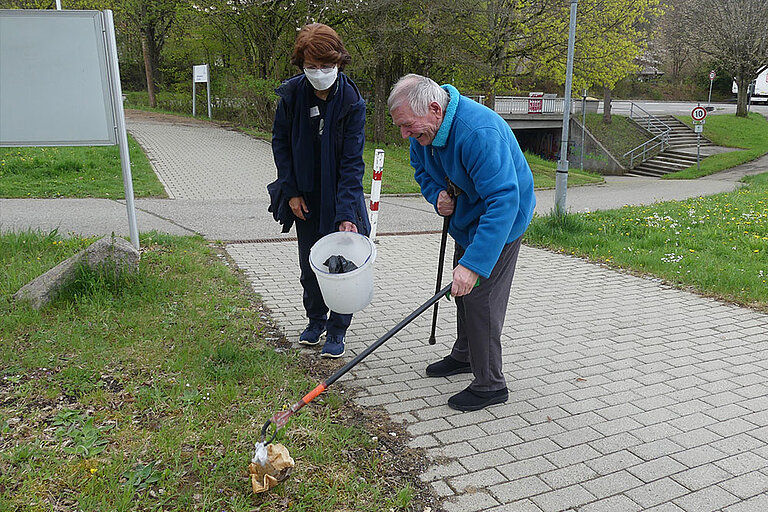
(698, 113)
(712, 75)
(698, 128)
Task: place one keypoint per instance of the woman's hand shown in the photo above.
(345, 225)
(298, 207)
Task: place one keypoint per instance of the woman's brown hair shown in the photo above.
(320, 43)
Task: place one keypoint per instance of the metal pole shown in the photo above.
(208, 83)
(561, 177)
(58, 5)
(583, 124)
(709, 101)
(194, 90)
(698, 149)
(122, 137)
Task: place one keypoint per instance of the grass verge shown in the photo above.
(75, 171)
(749, 134)
(716, 245)
(148, 392)
(620, 136)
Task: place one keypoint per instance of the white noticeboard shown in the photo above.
(54, 85)
(60, 85)
(200, 73)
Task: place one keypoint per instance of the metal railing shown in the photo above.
(652, 124)
(526, 105)
(548, 104)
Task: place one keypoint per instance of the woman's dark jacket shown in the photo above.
(341, 155)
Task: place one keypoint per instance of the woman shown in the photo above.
(317, 141)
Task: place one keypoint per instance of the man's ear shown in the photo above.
(436, 109)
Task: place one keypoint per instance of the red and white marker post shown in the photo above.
(378, 169)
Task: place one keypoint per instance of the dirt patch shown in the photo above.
(401, 464)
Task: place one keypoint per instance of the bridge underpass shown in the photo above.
(537, 123)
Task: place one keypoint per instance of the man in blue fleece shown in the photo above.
(459, 141)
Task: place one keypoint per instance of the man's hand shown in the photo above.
(445, 203)
(298, 206)
(345, 225)
(463, 281)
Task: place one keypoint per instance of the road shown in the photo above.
(679, 107)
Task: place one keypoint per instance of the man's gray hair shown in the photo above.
(418, 92)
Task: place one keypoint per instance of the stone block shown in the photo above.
(110, 254)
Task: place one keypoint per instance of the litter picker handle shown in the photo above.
(405, 321)
(281, 418)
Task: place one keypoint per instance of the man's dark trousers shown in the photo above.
(480, 320)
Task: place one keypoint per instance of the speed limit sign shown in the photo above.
(712, 75)
(698, 113)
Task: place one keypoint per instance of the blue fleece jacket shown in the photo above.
(476, 149)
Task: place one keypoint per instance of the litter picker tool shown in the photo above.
(281, 418)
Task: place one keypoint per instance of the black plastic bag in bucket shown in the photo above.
(347, 292)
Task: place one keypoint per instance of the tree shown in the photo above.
(610, 35)
(152, 19)
(258, 35)
(391, 37)
(498, 37)
(672, 44)
(734, 34)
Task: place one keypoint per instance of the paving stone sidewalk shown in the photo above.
(625, 394)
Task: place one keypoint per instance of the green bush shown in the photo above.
(250, 101)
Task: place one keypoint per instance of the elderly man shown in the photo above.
(459, 143)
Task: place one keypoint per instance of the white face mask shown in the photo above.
(321, 79)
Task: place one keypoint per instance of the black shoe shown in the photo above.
(448, 366)
(312, 333)
(471, 400)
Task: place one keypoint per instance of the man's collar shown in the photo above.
(441, 138)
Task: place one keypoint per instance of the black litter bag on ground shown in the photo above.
(338, 264)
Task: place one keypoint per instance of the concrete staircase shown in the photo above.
(673, 158)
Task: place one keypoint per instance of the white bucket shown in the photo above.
(351, 291)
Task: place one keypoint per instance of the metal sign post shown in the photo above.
(712, 76)
(201, 74)
(561, 175)
(122, 135)
(698, 114)
(583, 124)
